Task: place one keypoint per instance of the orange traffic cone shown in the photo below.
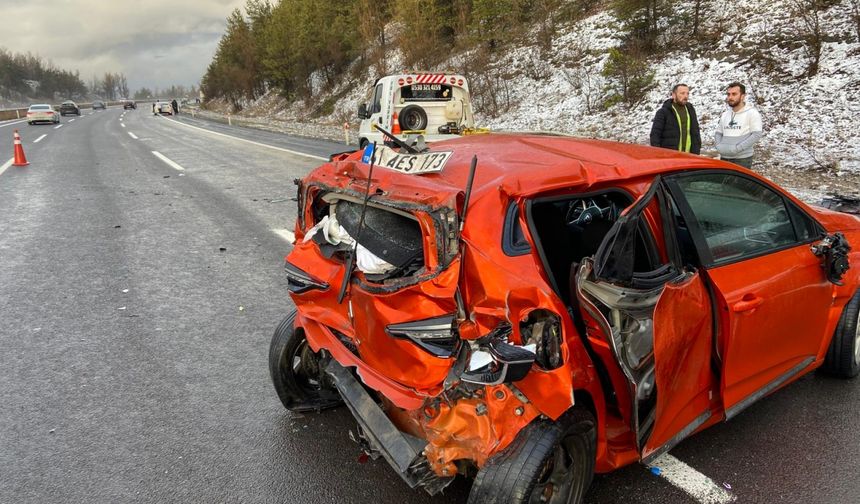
(20, 158)
(395, 124)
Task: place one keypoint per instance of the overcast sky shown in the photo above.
(153, 42)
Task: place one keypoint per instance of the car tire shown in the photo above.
(555, 457)
(843, 356)
(412, 118)
(295, 372)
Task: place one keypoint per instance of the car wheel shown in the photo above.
(295, 369)
(548, 461)
(412, 117)
(843, 356)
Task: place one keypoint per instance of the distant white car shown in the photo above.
(42, 112)
(164, 108)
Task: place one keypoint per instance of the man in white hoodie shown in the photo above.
(739, 128)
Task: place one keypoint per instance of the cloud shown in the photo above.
(155, 43)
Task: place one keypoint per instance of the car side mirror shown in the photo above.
(362, 111)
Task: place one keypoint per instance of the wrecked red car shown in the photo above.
(527, 310)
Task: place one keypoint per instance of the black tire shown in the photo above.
(555, 457)
(412, 117)
(295, 371)
(843, 356)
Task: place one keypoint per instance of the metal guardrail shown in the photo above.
(21, 113)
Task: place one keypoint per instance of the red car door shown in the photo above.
(658, 323)
(771, 292)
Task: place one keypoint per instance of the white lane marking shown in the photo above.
(250, 141)
(123, 125)
(11, 123)
(691, 481)
(286, 234)
(132, 135)
(58, 126)
(7, 164)
(91, 113)
(71, 120)
(120, 119)
(39, 139)
(167, 160)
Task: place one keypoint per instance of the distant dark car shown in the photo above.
(98, 104)
(129, 104)
(69, 108)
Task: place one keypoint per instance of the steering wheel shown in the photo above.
(585, 211)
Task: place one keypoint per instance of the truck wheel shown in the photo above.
(362, 143)
(295, 369)
(843, 356)
(547, 462)
(412, 117)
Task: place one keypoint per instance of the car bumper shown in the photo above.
(402, 451)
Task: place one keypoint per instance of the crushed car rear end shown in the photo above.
(460, 343)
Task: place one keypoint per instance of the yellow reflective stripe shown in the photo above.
(683, 148)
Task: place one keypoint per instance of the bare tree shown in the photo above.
(109, 85)
(700, 10)
(807, 14)
(855, 15)
(122, 85)
(587, 84)
(372, 17)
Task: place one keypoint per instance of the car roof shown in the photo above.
(40, 105)
(533, 162)
(522, 164)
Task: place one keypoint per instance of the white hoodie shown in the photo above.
(737, 132)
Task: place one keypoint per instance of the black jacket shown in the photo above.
(666, 132)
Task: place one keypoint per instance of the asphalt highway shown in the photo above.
(141, 281)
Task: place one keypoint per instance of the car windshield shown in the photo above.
(40, 107)
(68, 103)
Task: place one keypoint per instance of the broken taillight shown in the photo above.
(299, 281)
(435, 335)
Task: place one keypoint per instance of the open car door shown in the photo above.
(658, 323)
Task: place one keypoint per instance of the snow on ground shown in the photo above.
(812, 124)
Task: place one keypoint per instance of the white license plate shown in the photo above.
(427, 162)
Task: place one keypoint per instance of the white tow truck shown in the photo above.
(435, 105)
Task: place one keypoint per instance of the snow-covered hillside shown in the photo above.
(812, 124)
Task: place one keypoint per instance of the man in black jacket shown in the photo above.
(675, 125)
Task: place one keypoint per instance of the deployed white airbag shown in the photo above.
(366, 261)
